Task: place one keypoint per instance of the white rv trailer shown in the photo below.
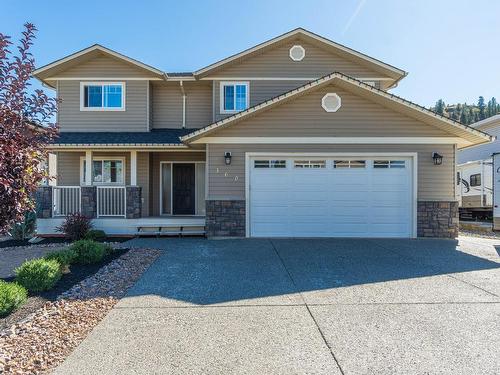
(474, 188)
(474, 183)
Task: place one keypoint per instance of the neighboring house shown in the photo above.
(295, 137)
(475, 174)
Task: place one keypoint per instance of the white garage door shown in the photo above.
(304, 196)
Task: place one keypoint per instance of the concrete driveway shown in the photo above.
(302, 306)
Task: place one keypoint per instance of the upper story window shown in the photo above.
(102, 96)
(233, 97)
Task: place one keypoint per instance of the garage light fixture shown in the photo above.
(438, 159)
(227, 158)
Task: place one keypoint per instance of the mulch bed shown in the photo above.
(77, 273)
(44, 338)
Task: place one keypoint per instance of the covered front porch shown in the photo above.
(126, 191)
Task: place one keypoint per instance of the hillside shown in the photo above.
(468, 113)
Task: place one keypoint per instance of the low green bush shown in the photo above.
(38, 274)
(12, 295)
(95, 235)
(89, 252)
(63, 257)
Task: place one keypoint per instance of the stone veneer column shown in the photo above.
(89, 201)
(225, 218)
(43, 199)
(134, 202)
(437, 219)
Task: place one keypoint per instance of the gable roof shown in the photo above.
(470, 135)
(378, 65)
(85, 54)
(487, 122)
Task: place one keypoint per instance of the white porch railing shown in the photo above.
(66, 200)
(111, 201)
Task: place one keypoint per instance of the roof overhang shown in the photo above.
(468, 135)
(391, 71)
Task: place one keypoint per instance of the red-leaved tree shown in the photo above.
(23, 139)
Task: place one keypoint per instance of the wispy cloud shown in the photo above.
(361, 3)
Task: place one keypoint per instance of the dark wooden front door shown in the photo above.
(183, 189)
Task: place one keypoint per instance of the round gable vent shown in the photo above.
(331, 102)
(297, 53)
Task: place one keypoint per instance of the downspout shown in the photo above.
(183, 105)
(483, 180)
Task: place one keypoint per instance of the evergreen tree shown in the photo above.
(463, 118)
(481, 106)
(439, 108)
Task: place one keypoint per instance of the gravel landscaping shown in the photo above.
(480, 234)
(43, 339)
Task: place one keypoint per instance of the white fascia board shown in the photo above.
(329, 140)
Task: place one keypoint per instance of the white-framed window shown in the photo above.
(104, 171)
(313, 164)
(234, 96)
(269, 163)
(389, 164)
(349, 163)
(102, 96)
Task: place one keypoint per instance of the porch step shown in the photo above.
(170, 230)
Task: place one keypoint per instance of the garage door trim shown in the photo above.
(412, 155)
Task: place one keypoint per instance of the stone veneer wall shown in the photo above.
(225, 218)
(89, 201)
(437, 219)
(134, 202)
(43, 198)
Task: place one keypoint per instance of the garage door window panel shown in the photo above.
(309, 164)
(270, 164)
(349, 164)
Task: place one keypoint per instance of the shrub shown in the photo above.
(75, 226)
(12, 295)
(25, 229)
(63, 257)
(89, 251)
(95, 235)
(38, 274)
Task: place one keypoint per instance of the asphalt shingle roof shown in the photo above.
(154, 137)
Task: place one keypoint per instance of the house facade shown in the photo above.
(296, 137)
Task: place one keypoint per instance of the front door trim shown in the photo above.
(171, 187)
(412, 155)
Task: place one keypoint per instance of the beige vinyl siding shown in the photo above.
(435, 183)
(167, 105)
(133, 118)
(276, 62)
(305, 116)
(105, 66)
(156, 158)
(68, 168)
(198, 104)
(260, 91)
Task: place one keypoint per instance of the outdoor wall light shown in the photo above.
(438, 159)
(227, 158)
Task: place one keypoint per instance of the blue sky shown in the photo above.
(450, 48)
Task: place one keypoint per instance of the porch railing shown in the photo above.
(66, 200)
(111, 201)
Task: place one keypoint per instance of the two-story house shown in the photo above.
(296, 137)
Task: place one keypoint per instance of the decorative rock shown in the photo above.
(44, 339)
